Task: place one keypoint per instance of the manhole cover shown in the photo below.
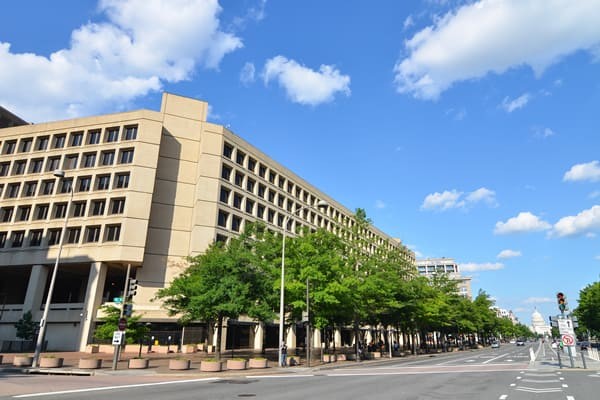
(247, 395)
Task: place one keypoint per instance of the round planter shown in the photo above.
(329, 358)
(210, 366)
(90, 363)
(138, 363)
(177, 364)
(341, 357)
(236, 364)
(257, 363)
(51, 362)
(22, 361)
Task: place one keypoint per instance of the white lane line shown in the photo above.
(513, 384)
(503, 397)
(115, 387)
(570, 398)
(519, 377)
(565, 385)
(495, 358)
(280, 376)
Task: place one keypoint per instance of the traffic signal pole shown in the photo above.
(117, 347)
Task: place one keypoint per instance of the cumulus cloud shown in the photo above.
(140, 45)
(508, 254)
(473, 267)
(584, 172)
(584, 223)
(511, 105)
(537, 300)
(247, 74)
(479, 38)
(304, 85)
(454, 199)
(524, 222)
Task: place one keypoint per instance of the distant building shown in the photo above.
(431, 266)
(504, 313)
(538, 324)
(8, 119)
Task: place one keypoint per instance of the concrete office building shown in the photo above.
(443, 265)
(143, 189)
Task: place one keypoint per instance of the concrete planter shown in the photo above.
(329, 358)
(179, 364)
(341, 357)
(22, 361)
(210, 366)
(138, 363)
(51, 362)
(190, 348)
(257, 363)
(90, 363)
(236, 364)
(92, 348)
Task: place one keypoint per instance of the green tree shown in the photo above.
(26, 327)
(588, 310)
(110, 323)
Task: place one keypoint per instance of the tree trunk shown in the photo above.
(219, 335)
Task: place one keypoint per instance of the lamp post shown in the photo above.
(320, 204)
(60, 174)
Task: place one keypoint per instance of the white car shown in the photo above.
(554, 345)
(495, 345)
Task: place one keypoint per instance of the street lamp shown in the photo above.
(320, 204)
(60, 174)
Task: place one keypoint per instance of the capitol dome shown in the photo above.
(538, 324)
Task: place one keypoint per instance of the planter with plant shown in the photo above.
(179, 363)
(138, 363)
(51, 361)
(210, 365)
(22, 360)
(90, 363)
(236, 363)
(257, 362)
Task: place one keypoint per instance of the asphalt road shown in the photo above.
(504, 373)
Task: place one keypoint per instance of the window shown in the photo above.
(71, 161)
(98, 207)
(89, 160)
(221, 238)
(272, 176)
(271, 196)
(17, 238)
(6, 214)
(66, 185)
(224, 196)
(25, 145)
(122, 180)
(113, 232)
(126, 156)
(23, 213)
(261, 190)
(260, 211)
(3, 236)
(93, 137)
(42, 143)
(226, 172)
(35, 166)
(279, 220)
(251, 164)
(112, 135)
(79, 209)
(73, 235)
(47, 187)
(117, 206)
(270, 215)
(130, 133)
(19, 167)
(35, 237)
(237, 200)
(41, 211)
(53, 163)
(29, 189)
(227, 150)
(76, 139)
(107, 158)
(4, 168)
(236, 223)
(92, 234)
(13, 190)
(103, 182)
(60, 210)
(54, 236)
(280, 200)
(1, 189)
(222, 219)
(240, 157)
(262, 171)
(249, 206)
(239, 179)
(10, 146)
(59, 141)
(250, 183)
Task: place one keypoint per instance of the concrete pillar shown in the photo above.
(316, 338)
(337, 338)
(35, 291)
(290, 338)
(93, 300)
(259, 335)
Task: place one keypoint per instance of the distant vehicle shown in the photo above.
(513, 341)
(584, 345)
(554, 345)
(495, 345)
(521, 342)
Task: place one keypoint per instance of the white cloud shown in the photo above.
(408, 22)
(512, 105)
(141, 45)
(472, 267)
(595, 194)
(304, 85)
(524, 222)
(247, 75)
(597, 258)
(586, 222)
(379, 204)
(584, 172)
(508, 254)
(544, 132)
(479, 38)
(537, 300)
(455, 199)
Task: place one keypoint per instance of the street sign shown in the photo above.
(568, 340)
(122, 324)
(118, 337)
(565, 327)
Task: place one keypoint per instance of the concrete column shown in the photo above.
(316, 338)
(259, 334)
(337, 338)
(290, 338)
(35, 290)
(93, 301)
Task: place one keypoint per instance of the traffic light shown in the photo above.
(127, 309)
(562, 301)
(132, 288)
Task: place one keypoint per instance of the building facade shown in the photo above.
(431, 266)
(141, 190)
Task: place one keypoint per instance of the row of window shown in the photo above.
(35, 237)
(66, 162)
(47, 187)
(73, 139)
(58, 210)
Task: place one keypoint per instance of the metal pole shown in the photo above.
(308, 342)
(42, 333)
(282, 290)
(117, 347)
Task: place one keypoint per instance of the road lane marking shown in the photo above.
(280, 376)
(541, 380)
(565, 385)
(570, 398)
(503, 397)
(513, 384)
(495, 358)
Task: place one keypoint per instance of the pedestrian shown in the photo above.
(283, 354)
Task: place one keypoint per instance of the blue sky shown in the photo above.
(468, 129)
